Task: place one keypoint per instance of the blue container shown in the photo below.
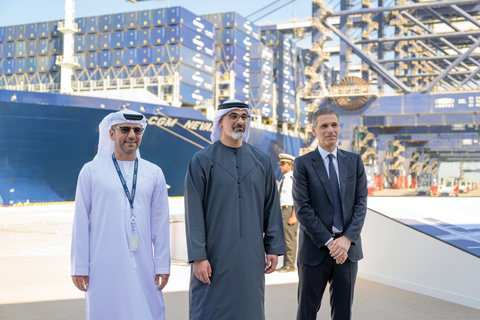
(8, 49)
(42, 30)
(9, 34)
(233, 36)
(159, 17)
(131, 38)
(286, 115)
(106, 23)
(31, 31)
(105, 59)
(53, 25)
(242, 89)
(1, 51)
(20, 65)
(20, 32)
(46, 63)
(273, 38)
(183, 17)
(31, 65)
(91, 24)
(259, 65)
(118, 39)
(191, 76)
(105, 41)
(233, 53)
(146, 18)
(265, 109)
(158, 55)
(285, 100)
(131, 20)
(42, 45)
(185, 36)
(144, 55)
(303, 107)
(55, 46)
(193, 96)
(260, 51)
(215, 19)
(2, 34)
(285, 86)
(158, 36)
(190, 57)
(240, 71)
(235, 20)
(20, 48)
(81, 25)
(260, 94)
(81, 61)
(92, 42)
(263, 80)
(118, 58)
(304, 120)
(131, 57)
(144, 38)
(8, 66)
(91, 59)
(285, 72)
(118, 21)
(80, 43)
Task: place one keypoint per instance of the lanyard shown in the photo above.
(124, 184)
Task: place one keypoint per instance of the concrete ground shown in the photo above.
(35, 280)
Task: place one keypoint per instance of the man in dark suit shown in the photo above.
(330, 198)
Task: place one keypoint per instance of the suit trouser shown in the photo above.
(290, 232)
(311, 286)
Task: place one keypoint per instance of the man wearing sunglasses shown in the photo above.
(233, 221)
(121, 213)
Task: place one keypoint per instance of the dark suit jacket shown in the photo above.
(313, 199)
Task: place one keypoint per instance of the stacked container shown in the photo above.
(235, 37)
(262, 81)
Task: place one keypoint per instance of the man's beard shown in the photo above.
(237, 135)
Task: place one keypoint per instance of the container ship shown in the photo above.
(403, 76)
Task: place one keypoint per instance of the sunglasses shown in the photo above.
(234, 117)
(126, 130)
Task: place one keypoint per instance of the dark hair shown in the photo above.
(320, 111)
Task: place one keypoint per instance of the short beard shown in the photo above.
(237, 135)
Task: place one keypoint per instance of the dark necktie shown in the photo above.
(281, 185)
(337, 203)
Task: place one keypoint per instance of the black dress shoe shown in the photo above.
(285, 269)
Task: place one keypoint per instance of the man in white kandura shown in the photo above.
(120, 241)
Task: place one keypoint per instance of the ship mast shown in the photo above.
(68, 61)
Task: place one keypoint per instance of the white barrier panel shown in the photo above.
(400, 256)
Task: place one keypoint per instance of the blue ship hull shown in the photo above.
(48, 137)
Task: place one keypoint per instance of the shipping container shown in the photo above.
(55, 46)
(2, 34)
(240, 71)
(158, 36)
(265, 109)
(259, 65)
(185, 36)
(131, 20)
(53, 25)
(118, 58)
(20, 32)
(118, 39)
(106, 23)
(32, 48)
(285, 100)
(144, 55)
(307, 57)
(260, 51)
(8, 66)
(91, 24)
(215, 19)
(190, 57)
(233, 36)
(81, 61)
(287, 87)
(159, 17)
(9, 34)
(273, 37)
(81, 25)
(131, 38)
(42, 46)
(260, 94)
(118, 21)
(46, 63)
(20, 65)
(31, 31)
(131, 57)
(92, 42)
(258, 79)
(190, 76)
(80, 43)
(31, 65)
(144, 38)
(242, 89)
(105, 59)
(235, 20)
(105, 41)
(158, 55)
(192, 96)
(20, 49)
(145, 18)
(284, 72)
(1, 50)
(303, 107)
(303, 120)
(286, 115)
(233, 53)
(91, 59)
(183, 17)
(226, 98)
(8, 49)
